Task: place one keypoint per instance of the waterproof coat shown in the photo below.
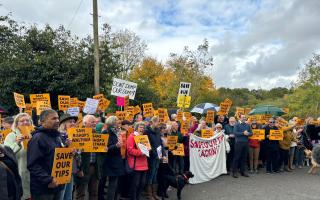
(133, 152)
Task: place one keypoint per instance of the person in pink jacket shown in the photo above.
(138, 162)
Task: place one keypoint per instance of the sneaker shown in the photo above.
(256, 171)
(300, 167)
(268, 172)
(251, 171)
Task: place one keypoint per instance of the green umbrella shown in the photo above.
(267, 109)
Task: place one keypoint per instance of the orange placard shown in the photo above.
(162, 115)
(3, 135)
(121, 115)
(82, 138)
(81, 104)
(172, 141)
(63, 102)
(207, 133)
(210, 116)
(19, 99)
(100, 141)
(34, 98)
(276, 135)
(258, 134)
(143, 139)
(126, 102)
(26, 132)
(184, 127)
(28, 109)
(73, 102)
(147, 110)
(41, 106)
(137, 110)
(224, 108)
(62, 165)
(180, 116)
(179, 151)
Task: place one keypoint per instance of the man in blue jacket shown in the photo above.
(242, 131)
(40, 156)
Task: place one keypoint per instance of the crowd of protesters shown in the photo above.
(25, 171)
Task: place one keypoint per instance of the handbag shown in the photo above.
(128, 169)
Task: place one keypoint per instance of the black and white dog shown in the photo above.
(168, 178)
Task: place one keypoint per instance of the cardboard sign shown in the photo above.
(120, 101)
(147, 110)
(184, 127)
(81, 138)
(210, 116)
(207, 133)
(91, 106)
(63, 102)
(183, 101)
(228, 101)
(143, 139)
(126, 102)
(129, 113)
(187, 116)
(62, 165)
(224, 108)
(172, 141)
(105, 103)
(100, 141)
(73, 102)
(247, 111)
(28, 109)
(34, 98)
(162, 115)
(300, 122)
(3, 135)
(276, 135)
(239, 111)
(121, 115)
(41, 106)
(122, 88)
(19, 99)
(282, 123)
(98, 96)
(26, 132)
(137, 109)
(180, 116)
(258, 134)
(179, 151)
(74, 111)
(184, 88)
(81, 104)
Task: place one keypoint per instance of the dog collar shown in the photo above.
(185, 177)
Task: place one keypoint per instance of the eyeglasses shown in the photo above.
(271, 122)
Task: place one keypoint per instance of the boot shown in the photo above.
(154, 191)
(149, 193)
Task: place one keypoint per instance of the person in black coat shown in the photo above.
(40, 157)
(10, 180)
(113, 166)
(272, 148)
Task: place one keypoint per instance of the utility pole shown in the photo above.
(96, 48)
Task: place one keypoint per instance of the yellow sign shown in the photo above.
(180, 116)
(129, 113)
(28, 109)
(207, 133)
(100, 141)
(246, 111)
(19, 99)
(98, 96)
(126, 102)
(73, 102)
(121, 115)
(276, 135)
(224, 108)
(187, 115)
(3, 135)
(62, 165)
(172, 141)
(282, 123)
(258, 134)
(34, 98)
(41, 106)
(147, 110)
(183, 101)
(210, 116)
(63, 102)
(81, 138)
(81, 104)
(179, 151)
(162, 115)
(26, 132)
(228, 101)
(137, 109)
(184, 127)
(143, 139)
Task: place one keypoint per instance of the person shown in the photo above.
(176, 162)
(113, 166)
(201, 126)
(137, 161)
(272, 148)
(299, 152)
(85, 183)
(10, 180)
(40, 157)
(284, 148)
(254, 150)
(154, 159)
(293, 146)
(14, 140)
(229, 130)
(67, 121)
(7, 122)
(242, 131)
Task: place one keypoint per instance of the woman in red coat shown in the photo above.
(138, 162)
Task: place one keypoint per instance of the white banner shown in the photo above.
(122, 88)
(207, 158)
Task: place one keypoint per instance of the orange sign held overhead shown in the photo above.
(34, 98)
(63, 102)
(19, 99)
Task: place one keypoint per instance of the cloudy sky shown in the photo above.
(255, 43)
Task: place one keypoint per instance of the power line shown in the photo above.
(74, 15)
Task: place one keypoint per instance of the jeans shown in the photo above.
(56, 196)
(240, 156)
(137, 184)
(112, 188)
(178, 164)
(152, 172)
(67, 191)
(299, 156)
